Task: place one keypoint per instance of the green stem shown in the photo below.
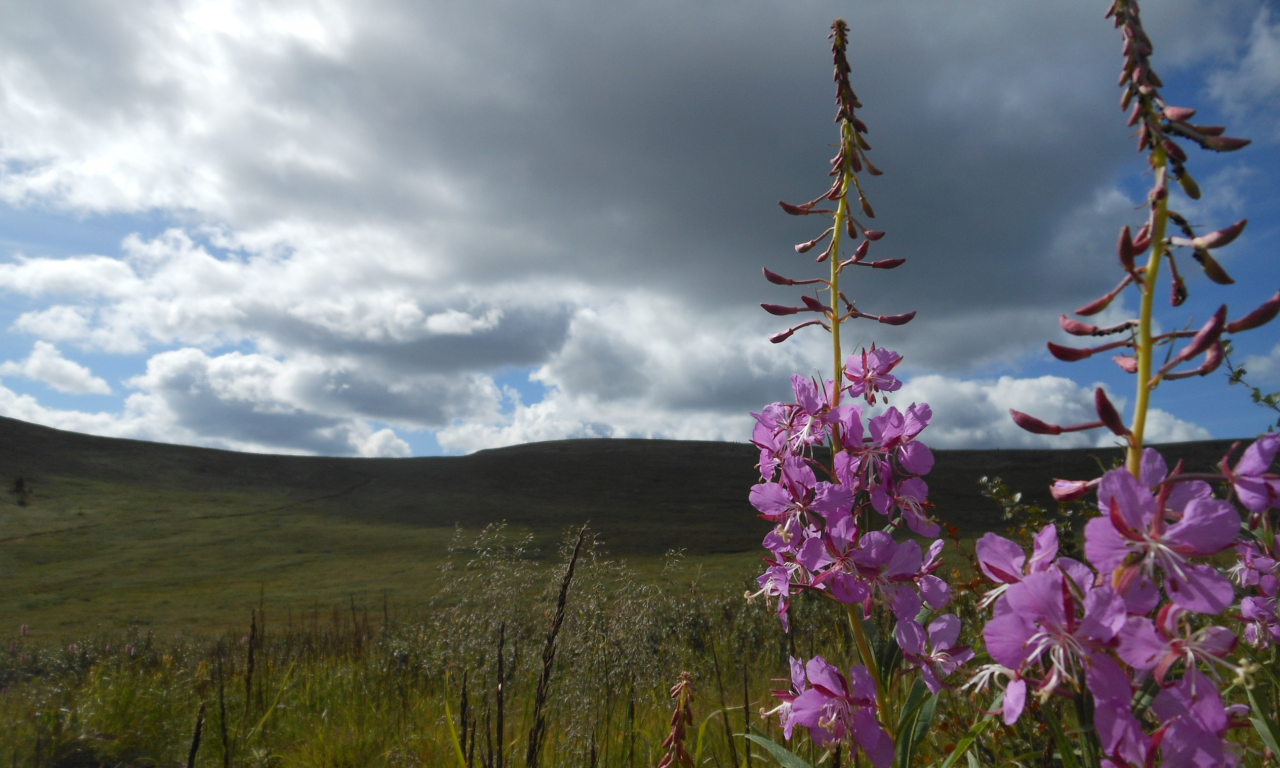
(1146, 348)
(869, 661)
(842, 214)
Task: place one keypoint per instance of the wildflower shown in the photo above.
(1196, 721)
(868, 373)
(1256, 489)
(1005, 563)
(941, 657)
(837, 707)
(1257, 567)
(1131, 539)
(908, 497)
(1036, 622)
(1157, 645)
(1263, 626)
(798, 685)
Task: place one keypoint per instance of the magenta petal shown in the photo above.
(1105, 548)
(771, 499)
(825, 675)
(1257, 494)
(910, 636)
(905, 603)
(1076, 571)
(906, 560)
(831, 500)
(944, 631)
(1044, 549)
(1183, 494)
(1000, 559)
(1208, 526)
(1039, 598)
(1204, 590)
(1015, 698)
(1257, 458)
(848, 589)
(861, 684)
(813, 554)
(1153, 468)
(1006, 638)
(1107, 680)
(916, 458)
(1136, 504)
(935, 591)
(875, 742)
(1141, 596)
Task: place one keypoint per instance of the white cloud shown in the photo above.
(1252, 87)
(1264, 369)
(47, 365)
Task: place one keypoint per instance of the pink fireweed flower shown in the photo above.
(1037, 621)
(1119, 732)
(1263, 626)
(837, 707)
(1005, 563)
(798, 685)
(1196, 723)
(831, 556)
(891, 572)
(868, 373)
(798, 494)
(939, 656)
(1015, 692)
(776, 583)
(1258, 567)
(1158, 645)
(907, 497)
(1256, 489)
(1131, 540)
(815, 413)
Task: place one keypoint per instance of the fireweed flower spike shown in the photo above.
(827, 538)
(1161, 129)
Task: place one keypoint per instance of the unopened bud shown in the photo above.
(872, 234)
(778, 309)
(871, 169)
(1135, 114)
(1174, 151)
(1212, 269)
(887, 263)
(795, 210)
(805, 247)
(813, 305)
(1077, 328)
(1221, 237)
(1258, 317)
(897, 319)
(1209, 130)
(1179, 113)
(1226, 143)
(1068, 354)
(1189, 186)
(1108, 414)
(861, 252)
(1070, 490)
(1142, 240)
(1127, 364)
(777, 279)
(1178, 292)
(1125, 250)
(860, 126)
(1206, 336)
(1034, 425)
(866, 207)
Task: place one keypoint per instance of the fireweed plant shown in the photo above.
(1133, 635)
(836, 536)
(1153, 644)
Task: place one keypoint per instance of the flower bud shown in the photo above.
(897, 319)
(777, 279)
(1142, 240)
(860, 126)
(805, 247)
(1179, 113)
(1189, 185)
(871, 169)
(1212, 359)
(1212, 268)
(778, 309)
(1209, 130)
(813, 305)
(1069, 354)
(887, 263)
(1207, 335)
(1125, 250)
(796, 210)
(1071, 490)
(1096, 306)
(866, 208)
(1174, 151)
(1225, 143)
(861, 252)
(1077, 328)
(1135, 114)
(1127, 364)
(1221, 237)
(1034, 425)
(1108, 414)
(1258, 317)
(872, 234)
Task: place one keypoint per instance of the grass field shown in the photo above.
(177, 539)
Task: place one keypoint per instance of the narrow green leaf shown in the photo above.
(1065, 751)
(904, 739)
(453, 732)
(962, 746)
(1266, 730)
(785, 757)
(924, 721)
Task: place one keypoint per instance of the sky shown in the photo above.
(394, 228)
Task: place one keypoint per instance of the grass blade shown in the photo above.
(785, 757)
(1065, 751)
(1262, 722)
(965, 743)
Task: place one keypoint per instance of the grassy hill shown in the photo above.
(121, 531)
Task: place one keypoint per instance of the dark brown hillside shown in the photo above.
(644, 496)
